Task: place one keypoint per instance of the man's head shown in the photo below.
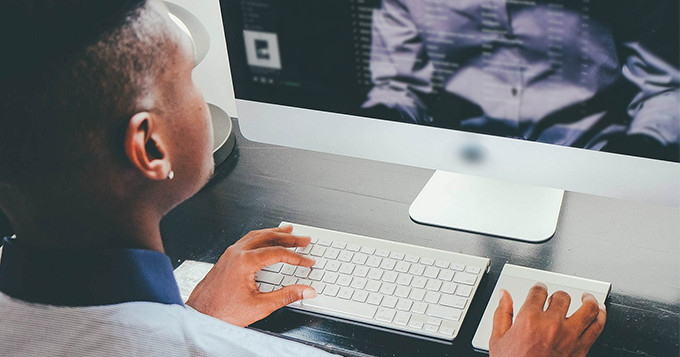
(98, 100)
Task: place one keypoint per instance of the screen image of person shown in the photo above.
(594, 74)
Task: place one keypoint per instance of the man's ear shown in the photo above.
(144, 147)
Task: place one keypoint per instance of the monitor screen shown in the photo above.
(600, 75)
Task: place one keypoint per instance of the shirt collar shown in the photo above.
(86, 277)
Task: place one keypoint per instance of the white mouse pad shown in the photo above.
(518, 280)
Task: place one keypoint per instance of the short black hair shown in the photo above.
(75, 71)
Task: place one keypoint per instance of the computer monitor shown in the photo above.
(511, 101)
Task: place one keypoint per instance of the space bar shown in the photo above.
(338, 307)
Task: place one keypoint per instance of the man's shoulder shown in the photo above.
(137, 328)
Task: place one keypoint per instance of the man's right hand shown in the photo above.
(229, 292)
(540, 333)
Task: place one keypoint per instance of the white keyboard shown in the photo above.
(389, 284)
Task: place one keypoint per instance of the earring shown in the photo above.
(171, 175)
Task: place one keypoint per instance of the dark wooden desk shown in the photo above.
(634, 246)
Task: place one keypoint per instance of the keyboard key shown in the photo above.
(453, 301)
(402, 267)
(473, 270)
(361, 271)
(389, 301)
(464, 290)
(318, 286)
(288, 269)
(449, 288)
(339, 245)
(344, 280)
(404, 279)
(433, 285)
(318, 251)
(382, 253)
(368, 250)
(411, 258)
(304, 282)
(447, 328)
(345, 293)
(402, 318)
(353, 247)
(302, 272)
(375, 274)
(373, 261)
(373, 285)
(325, 242)
(417, 294)
(288, 280)
(316, 275)
(320, 263)
(397, 255)
(426, 261)
(274, 268)
(331, 253)
(444, 312)
(419, 307)
(345, 256)
(384, 314)
(330, 277)
(387, 289)
(402, 291)
(346, 268)
(419, 282)
(359, 258)
(446, 275)
(459, 267)
(388, 264)
(431, 328)
(465, 278)
(374, 298)
(333, 265)
(360, 296)
(331, 290)
(417, 321)
(431, 272)
(417, 269)
(432, 297)
(434, 321)
(305, 250)
(358, 283)
(404, 304)
(345, 307)
(265, 288)
(389, 277)
(268, 277)
(441, 264)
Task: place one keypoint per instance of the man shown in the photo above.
(102, 132)
(598, 74)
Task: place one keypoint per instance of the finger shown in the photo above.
(254, 234)
(535, 299)
(585, 315)
(277, 239)
(272, 255)
(502, 318)
(558, 304)
(592, 332)
(284, 296)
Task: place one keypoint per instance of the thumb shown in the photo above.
(502, 318)
(284, 296)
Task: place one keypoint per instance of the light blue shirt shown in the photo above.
(111, 303)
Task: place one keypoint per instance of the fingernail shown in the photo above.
(602, 307)
(309, 294)
(587, 295)
(542, 285)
